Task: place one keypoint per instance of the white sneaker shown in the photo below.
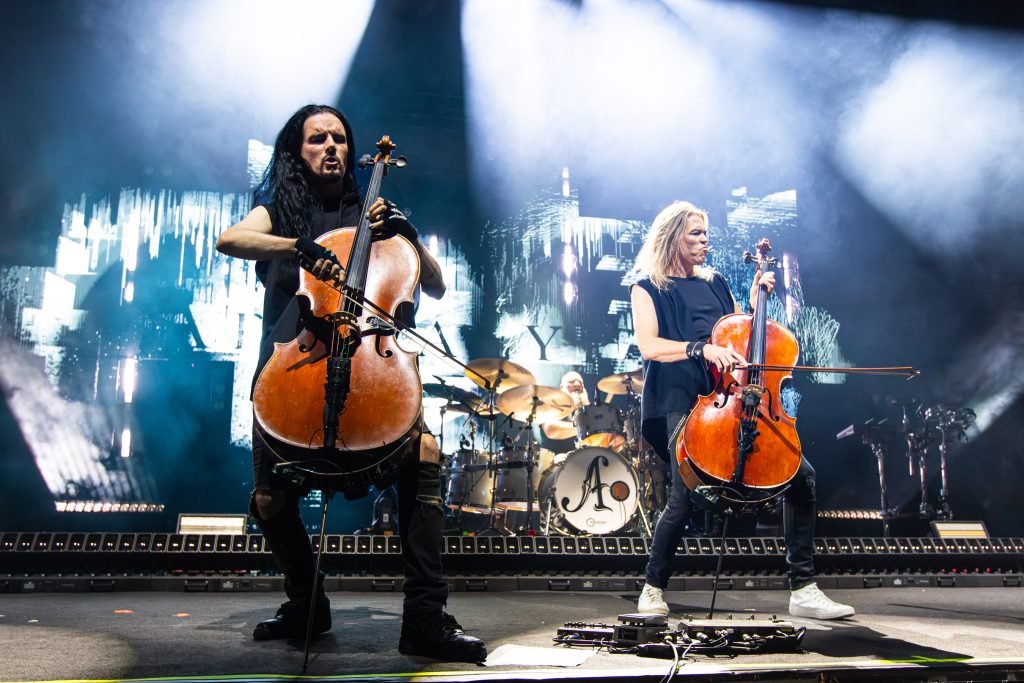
(809, 601)
(652, 601)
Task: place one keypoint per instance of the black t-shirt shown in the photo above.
(686, 311)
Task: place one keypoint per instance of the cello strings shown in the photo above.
(402, 328)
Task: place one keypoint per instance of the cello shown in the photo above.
(340, 404)
(737, 439)
(737, 443)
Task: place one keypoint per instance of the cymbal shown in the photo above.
(617, 384)
(456, 395)
(559, 429)
(458, 400)
(551, 404)
(492, 370)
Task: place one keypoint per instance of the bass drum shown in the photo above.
(593, 491)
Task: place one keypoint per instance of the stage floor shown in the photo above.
(911, 633)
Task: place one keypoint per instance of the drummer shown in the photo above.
(572, 384)
(562, 432)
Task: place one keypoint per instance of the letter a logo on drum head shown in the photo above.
(591, 484)
(595, 490)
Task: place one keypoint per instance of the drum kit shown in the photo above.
(607, 482)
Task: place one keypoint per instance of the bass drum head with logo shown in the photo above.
(594, 491)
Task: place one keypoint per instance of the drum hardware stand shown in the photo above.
(632, 424)
(530, 453)
(917, 444)
(947, 420)
(886, 513)
(646, 487)
(942, 510)
(492, 459)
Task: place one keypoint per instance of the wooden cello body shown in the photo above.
(738, 439)
(339, 404)
(383, 402)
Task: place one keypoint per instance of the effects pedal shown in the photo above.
(636, 629)
(749, 634)
(583, 633)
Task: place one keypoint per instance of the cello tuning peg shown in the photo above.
(399, 162)
(365, 160)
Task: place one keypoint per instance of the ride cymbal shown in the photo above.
(621, 383)
(548, 404)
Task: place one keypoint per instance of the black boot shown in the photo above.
(290, 620)
(439, 636)
(293, 554)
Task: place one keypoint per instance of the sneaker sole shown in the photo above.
(809, 615)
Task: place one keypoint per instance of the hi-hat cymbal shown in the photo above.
(551, 404)
(620, 383)
(458, 400)
(498, 372)
(455, 395)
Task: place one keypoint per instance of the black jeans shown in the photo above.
(798, 516)
(421, 523)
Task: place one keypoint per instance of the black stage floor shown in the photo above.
(949, 634)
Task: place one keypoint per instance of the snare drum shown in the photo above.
(511, 491)
(469, 482)
(594, 491)
(600, 426)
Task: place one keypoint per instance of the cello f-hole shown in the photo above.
(726, 393)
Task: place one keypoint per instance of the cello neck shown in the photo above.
(360, 255)
(759, 321)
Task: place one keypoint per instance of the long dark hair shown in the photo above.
(285, 181)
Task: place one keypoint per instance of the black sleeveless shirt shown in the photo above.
(686, 311)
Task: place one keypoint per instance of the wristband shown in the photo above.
(697, 351)
(309, 252)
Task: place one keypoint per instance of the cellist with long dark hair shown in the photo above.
(309, 189)
(676, 302)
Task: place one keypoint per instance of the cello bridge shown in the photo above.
(752, 394)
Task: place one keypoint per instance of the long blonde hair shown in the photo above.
(661, 246)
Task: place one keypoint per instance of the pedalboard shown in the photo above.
(648, 635)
